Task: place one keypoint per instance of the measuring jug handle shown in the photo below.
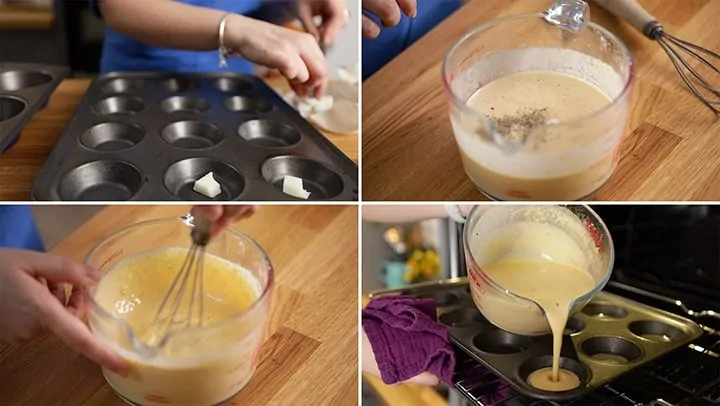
(632, 12)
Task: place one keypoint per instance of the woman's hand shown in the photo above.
(334, 15)
(223, 216)
(389, 13)
(29, 307)
(296, 55)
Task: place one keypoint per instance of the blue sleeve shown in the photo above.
(95, 7)
(18, 229)
(275, 13)
(393, 41)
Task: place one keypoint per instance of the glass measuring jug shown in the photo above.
(200, 366)
(574, 235)
(549, 159)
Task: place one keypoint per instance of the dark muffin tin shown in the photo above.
(149, 137)
(24, 89)
(608, 325)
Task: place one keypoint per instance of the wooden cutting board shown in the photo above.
(26, 17)
(310, 353)
(671, 150)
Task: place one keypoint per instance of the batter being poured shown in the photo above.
(554, 286)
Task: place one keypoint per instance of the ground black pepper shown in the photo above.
(515, 125)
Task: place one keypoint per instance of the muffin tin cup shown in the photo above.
(173, 129)
(24, 90)
(607, 338)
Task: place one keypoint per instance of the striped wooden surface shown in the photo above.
(310, 353)
(671, 150)
(26, 17)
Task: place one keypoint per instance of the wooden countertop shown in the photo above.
(671, 150)
(404, 394)
(20, 164)
(310, 353)
(26, 17)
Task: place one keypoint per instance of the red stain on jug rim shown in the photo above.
(474, 278)
(237, 367)
(471, 56)
(595, 234)
(157, 399)
(518, 194)
(114, 255)
(616, 157)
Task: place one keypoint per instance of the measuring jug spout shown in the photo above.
(571, 15)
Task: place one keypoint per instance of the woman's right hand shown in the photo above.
(295, 54)
(389, 13)
(29, 307)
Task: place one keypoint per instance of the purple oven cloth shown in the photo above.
(407, 339)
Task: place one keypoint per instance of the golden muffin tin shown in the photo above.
(610, 336)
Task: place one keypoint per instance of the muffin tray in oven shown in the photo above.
(24, 89)
(610, 336)
(149, 137)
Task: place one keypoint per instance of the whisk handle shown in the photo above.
(201, 227)
(632, 12)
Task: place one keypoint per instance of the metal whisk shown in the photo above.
(169, 315)
(632, 12)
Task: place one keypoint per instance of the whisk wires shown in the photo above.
(191, 273)
(690, 76)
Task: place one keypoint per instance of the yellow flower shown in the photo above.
(417, 255)
(410, 274)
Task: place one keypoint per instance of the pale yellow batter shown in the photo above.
(526, 100)
(195, 367)
(554, 286)
(543, 379)
(564, 97)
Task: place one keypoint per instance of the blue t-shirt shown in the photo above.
(17, 228)
(376, 53)
(123, 53)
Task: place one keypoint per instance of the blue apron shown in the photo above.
(392, 41)
(17, 229)
(123, 53)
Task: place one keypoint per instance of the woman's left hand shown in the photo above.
(334, 15)
(223, 216)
